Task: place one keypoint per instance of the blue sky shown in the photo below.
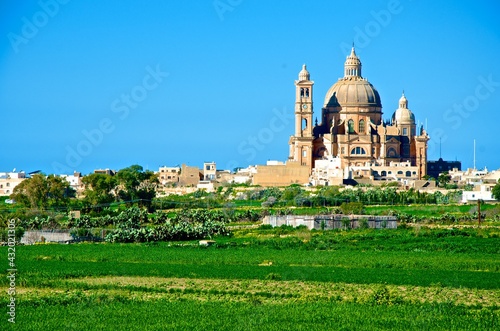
(90, 84)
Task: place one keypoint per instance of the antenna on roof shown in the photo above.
(439, 147)
(474, 154)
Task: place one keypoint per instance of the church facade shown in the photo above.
(352, 131)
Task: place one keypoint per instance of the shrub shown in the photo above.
(273, 276)
(352, 208)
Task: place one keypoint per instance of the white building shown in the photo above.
(209, 171)
(327, 171)
(75, 181)
(480, 192)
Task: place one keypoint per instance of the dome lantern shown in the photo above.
(403, 102)
(352, 66)
(403, 115)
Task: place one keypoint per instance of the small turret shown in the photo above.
(304, 74)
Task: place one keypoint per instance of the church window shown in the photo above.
(301, 92)
(405, 131)
(304, 124)
(304, 153)
(391, 152)
(307, 93)
(350, 126)
(342, 150)
(358, 151)
(361, 126)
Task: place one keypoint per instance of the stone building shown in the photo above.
(189, 176)
(352, 128)
(168, 175)
(9, 180)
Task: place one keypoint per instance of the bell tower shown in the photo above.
(421, 152)
(301, 146)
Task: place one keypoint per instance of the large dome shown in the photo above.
(352, 91)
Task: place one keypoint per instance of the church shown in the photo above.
(352, 140)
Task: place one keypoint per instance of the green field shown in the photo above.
(274, 279)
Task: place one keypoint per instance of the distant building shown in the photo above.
(327, 172)
(350, 129)
(168, 175)
(105, 172)
(75, 181)
(434, 168)
(209, 171)
(402, 171)
(189, 176)
(480, 192)
(9, 180)
(351, 126)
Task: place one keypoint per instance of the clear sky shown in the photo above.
(107, 84)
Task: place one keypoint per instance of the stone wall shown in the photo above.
(336, 221)
(281, 175)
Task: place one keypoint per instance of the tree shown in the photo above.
(443, 179)
(99, 189)
(496, 191)
(137, 184)
(42, 191)
(289, 194)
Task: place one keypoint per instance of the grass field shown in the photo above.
(277, 279)
(429, 210)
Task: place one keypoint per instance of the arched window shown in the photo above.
(361, 126)
(301, 91)
(391, 152)
(408, 174)
(383, 173)
(307, 93)
(304, 124)
(350, 126)
(358, 151)
(400, 172)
